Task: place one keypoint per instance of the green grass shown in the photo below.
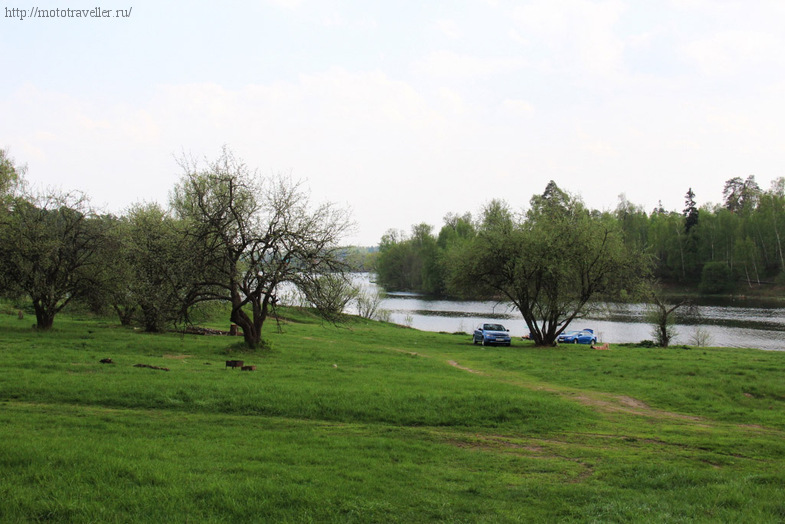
(369, 422)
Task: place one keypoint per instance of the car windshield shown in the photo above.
(493, 327)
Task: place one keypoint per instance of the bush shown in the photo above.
(716, 277)
(701, 338)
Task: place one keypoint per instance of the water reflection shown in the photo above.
(739, 323)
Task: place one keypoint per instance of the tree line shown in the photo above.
(714, 248)
(559, 258)
(227, 235)
(550, 262)
(230, 236)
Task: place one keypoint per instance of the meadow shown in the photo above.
(372, 422)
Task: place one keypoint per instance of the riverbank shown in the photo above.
(768, 291)
(371, 422)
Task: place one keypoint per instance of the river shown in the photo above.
(737, 323)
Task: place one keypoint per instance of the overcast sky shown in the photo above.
(401, 110)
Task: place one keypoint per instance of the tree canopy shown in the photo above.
(549, 263)
(50, 252)
(249, 235)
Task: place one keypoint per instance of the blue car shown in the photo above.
(584, 336)
(490, 334)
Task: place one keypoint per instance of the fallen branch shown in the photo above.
(151, 367)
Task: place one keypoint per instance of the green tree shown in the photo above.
(397, 266)
(717, 277)
(769, 226)
(690, 211)
(741, 196)
(50, 251)
(11, 176)
(748, 260)
(634, 223)
(551, 264)
(155, 277)
(410, 263)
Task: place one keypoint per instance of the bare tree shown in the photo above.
(369, 303)
(249, 235)
(662, 317)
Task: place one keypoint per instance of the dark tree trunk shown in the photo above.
(252, 327)
(125, 314)
(44, 316)
(152, 319)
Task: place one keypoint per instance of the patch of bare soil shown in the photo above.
(624, 404)
(456, 365)
(410, 353)
(178, 357)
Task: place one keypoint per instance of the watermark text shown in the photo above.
(66, 12)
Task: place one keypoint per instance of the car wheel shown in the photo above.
(484, 343)
(593, 341)
(575, 341)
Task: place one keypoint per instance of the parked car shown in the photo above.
(489, 334)
(584, 336)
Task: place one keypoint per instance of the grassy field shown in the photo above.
(369, 422)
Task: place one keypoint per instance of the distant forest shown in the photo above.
(716, 249)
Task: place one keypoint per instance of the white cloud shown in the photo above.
(518, 107)
(728, 52)
(578, 33)
(452, 101)
(334, 20)
(601, 96)
(597, 147)
(449, 28)
(449, 64)
(286, 4)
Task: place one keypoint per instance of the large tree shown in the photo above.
(741, 196)
(690, 212)
(149, 273)
(551, 263)
(250, 235)
(49, 250)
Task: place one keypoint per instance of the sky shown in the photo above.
(401, 111)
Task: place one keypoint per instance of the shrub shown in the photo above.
(716, 277)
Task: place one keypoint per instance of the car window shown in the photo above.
(494, 327)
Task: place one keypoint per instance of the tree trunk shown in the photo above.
(152, 320)
(125, 314)
(779, 245)
(252, 327)
(44, 317)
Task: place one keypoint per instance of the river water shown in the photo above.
(737, 323)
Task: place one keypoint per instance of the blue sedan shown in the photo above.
(488, 334)
(584, 336)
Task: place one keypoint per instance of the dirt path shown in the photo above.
(604, 402)
(456, 365)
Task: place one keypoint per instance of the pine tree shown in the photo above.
(690, 211)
